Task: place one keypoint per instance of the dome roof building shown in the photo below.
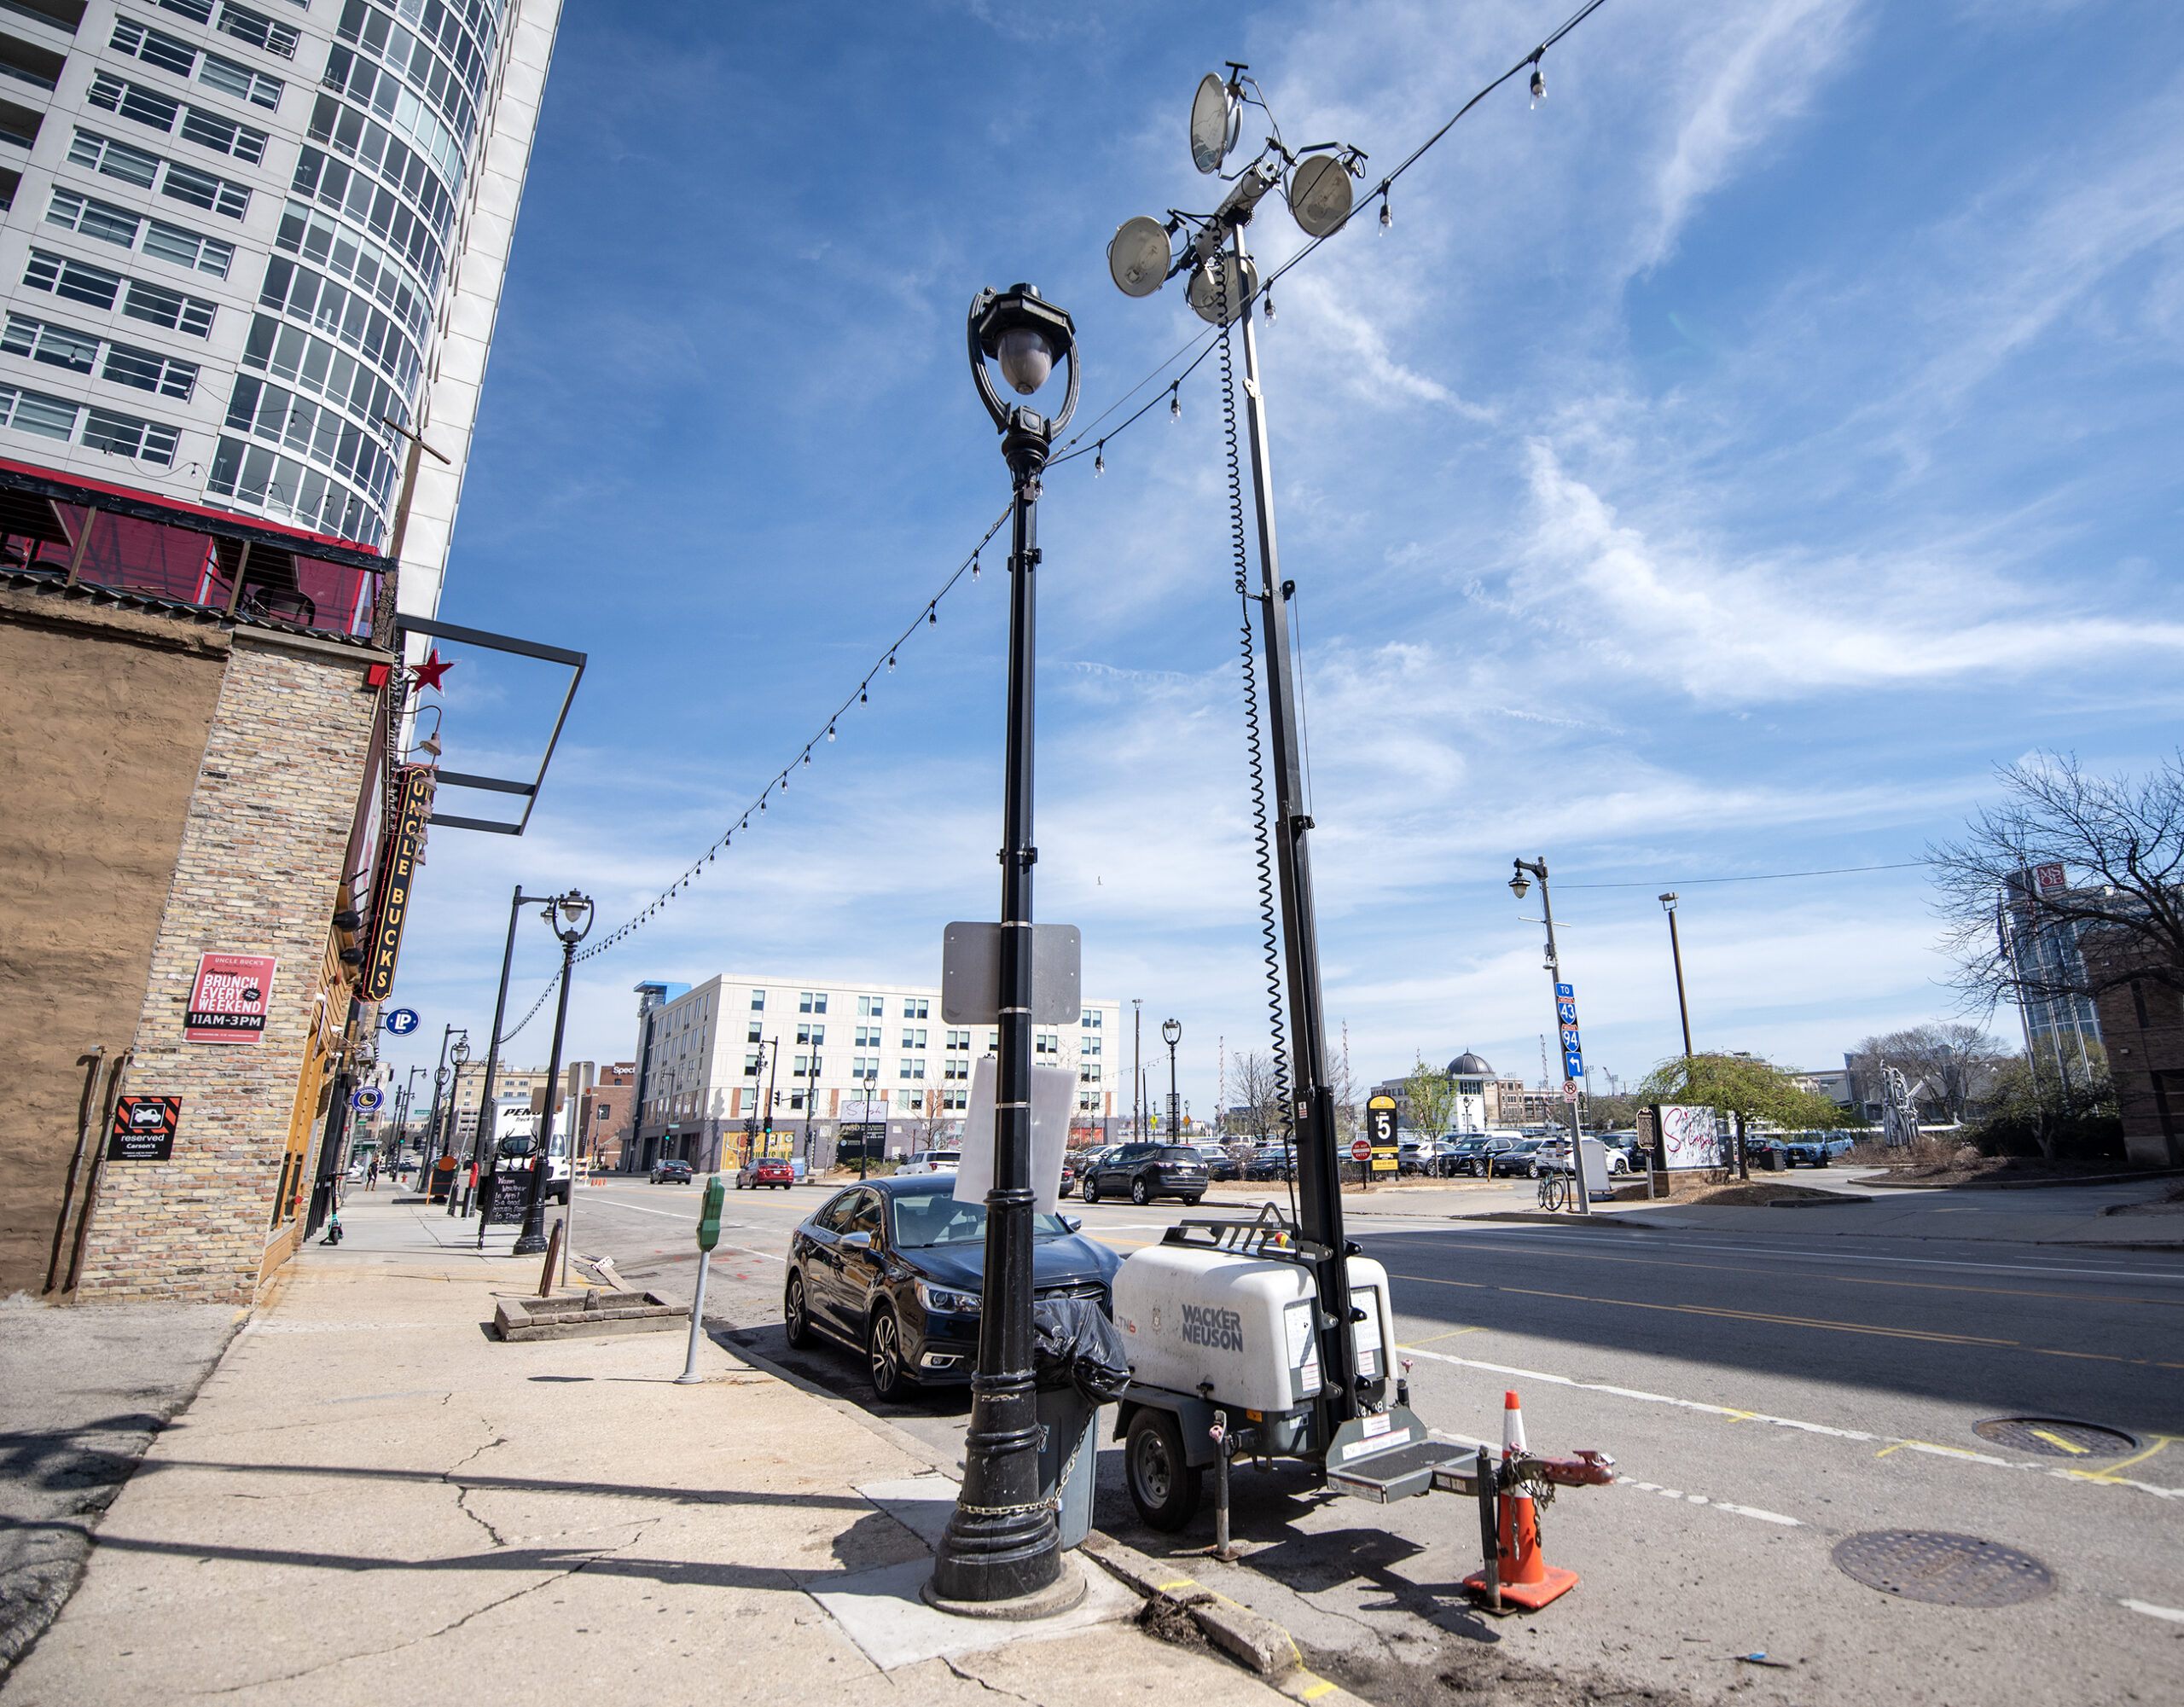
(1469, 1065)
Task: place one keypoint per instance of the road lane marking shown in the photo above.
(1642, 1236)
(1875, 1281)
(1641, 1396)
(2107, 1472)
(1765, 1517)
(1873, 1329)
(2154, 1612)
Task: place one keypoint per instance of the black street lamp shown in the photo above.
(569, 916)
(1171, 1033)
(1518, 887)
(460, 1055)
(1001, 1554)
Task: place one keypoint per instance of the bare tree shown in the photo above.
(1949, 1065)
(1258, 1094)
(2118, 896)
(1344, 1086)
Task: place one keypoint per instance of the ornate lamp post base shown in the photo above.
(1064, 1595)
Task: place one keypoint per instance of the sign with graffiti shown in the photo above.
(1691, 1138)
(398, 871)
(228, 998)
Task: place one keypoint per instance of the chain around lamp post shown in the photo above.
(1518, 884)
(1001, 1554)
(569, 916)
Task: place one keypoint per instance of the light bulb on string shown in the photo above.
(1176, 401)
(861, 698)
(974, 568)
(933, 615)
(1539, 83)
(830, 732)
(1386, 218)
(1100, 460)
(891, 664)
(1269, 304)
(807, 758)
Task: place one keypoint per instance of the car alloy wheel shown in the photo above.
(1091, 1192)
(796, 1315)
(886, 1348)
(1138, 1194)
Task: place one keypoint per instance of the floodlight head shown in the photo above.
(1025, 336)
(1519, 885)
(1668, 901)
(1216, 120)
(1319, 193)
(1211, 292)
(1137, 257)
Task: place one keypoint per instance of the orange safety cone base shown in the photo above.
(1528, 1597)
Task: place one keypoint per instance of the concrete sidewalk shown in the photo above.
(373, 1500)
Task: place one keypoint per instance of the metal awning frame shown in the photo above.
(521, 649)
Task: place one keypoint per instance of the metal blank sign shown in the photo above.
(970, 975)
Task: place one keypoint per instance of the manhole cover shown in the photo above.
(1946, 1569)
(2054, 1436)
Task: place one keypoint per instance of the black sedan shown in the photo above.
(893, 1269)
(671, 1172)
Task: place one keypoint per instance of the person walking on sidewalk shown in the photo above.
(371, 1172)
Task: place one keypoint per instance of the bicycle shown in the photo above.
(1553, 1192)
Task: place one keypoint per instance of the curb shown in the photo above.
(1256, 1642)
(2027, 1185)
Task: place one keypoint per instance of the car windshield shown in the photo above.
(922, 1219)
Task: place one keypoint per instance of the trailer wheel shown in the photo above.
(1162, 1487)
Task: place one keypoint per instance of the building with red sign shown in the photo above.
(250, 259)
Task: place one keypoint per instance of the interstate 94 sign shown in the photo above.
(228, 1002)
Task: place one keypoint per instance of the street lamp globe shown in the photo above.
(1025, 336)
(1026, 358)
(1172, 1031)
(1520, 885)
(460, 1053)
(571, 916)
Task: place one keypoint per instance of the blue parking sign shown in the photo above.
(402, 1021)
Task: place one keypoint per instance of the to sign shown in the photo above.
(229, 999)
(143, 1129)
(402, 1021)
(1361, 1150)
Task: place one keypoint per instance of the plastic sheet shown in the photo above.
(1073, 1344)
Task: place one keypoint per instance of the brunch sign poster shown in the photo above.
(228, 1002)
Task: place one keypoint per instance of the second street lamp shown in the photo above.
(1171, 1033)
(1001, 1554)
(1518, 885)
(570, 917)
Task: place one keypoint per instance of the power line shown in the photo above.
(1756, 876)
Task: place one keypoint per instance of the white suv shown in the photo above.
(932, 1162)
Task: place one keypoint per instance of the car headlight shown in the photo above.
(948, 1303)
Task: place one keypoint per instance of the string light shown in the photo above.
(891, 664)
(1386, 218)
(1100, 460)
(1176, 401)
(1269, 306)
(933, 616)
(1539, 83)
(974, 568)
(830, 732)
(861, 699)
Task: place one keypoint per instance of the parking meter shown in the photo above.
(709, 1213)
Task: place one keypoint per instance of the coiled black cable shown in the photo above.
(1269, 929)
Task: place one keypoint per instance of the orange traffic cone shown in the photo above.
(1521, 1572)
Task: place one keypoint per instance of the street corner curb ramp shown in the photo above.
(580, 1318)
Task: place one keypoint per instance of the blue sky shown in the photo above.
(1716, 469)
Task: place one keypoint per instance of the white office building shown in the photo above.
(814, 1056)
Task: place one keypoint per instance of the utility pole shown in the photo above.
(1675, 950)
(1136, 1071)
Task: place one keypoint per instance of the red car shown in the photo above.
(752, 1175)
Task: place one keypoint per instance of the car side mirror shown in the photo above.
(1073, 1222)
(857, 1241)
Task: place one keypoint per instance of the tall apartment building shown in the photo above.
(246, 247)
(813, 1056)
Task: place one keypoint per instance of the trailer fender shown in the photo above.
(1193, 1416)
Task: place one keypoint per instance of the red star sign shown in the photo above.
(429, 672)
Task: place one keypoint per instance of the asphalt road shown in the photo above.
(1764, 1396)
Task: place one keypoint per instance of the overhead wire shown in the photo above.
(1756, 877)
(1079, 444)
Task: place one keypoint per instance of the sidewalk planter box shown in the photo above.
(595, 1312)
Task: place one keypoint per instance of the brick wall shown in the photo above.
(107, 713)
(260, 860)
